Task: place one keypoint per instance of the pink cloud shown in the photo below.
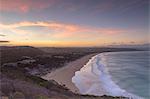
(25, 5)
(63, 30)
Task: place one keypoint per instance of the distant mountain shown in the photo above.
(14, 53)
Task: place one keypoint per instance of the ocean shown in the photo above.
(116, 74)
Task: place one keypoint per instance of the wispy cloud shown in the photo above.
(63, 30)
(3, 41)
(2, 35)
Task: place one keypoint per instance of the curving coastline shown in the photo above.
(71, 77)
(64, 75)
(94, 79)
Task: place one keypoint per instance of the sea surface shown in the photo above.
(116, 74)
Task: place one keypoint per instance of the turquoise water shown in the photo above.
(130, 70)
(115, 74)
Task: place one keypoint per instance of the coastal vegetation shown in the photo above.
(22, 66)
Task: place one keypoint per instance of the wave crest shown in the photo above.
(94, 79)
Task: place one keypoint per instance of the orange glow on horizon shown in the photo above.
(58, 44)
(97, 43)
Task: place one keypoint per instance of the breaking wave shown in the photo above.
(94, 79)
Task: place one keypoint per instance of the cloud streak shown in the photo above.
(3, 41)
(63, 30)
(2, 35)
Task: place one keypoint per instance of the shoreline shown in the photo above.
(63, 75)
(104, 85)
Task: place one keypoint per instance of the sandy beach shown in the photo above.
(64, 75)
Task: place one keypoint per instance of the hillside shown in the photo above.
(22, 65)
(14, 53)
(18, 84)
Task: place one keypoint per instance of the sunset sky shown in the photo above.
(73, 22)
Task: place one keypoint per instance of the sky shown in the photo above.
(74, 22)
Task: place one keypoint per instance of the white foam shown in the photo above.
(94, 79)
